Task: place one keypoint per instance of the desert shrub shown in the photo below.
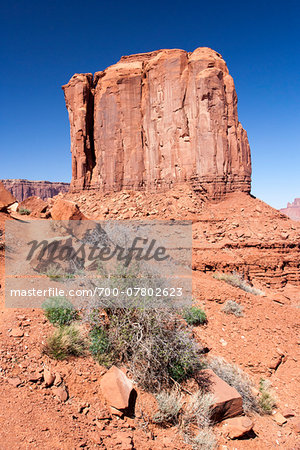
(24, 211)
(59, 311)
(237, 280)
(236, 378)
(65, 341)
(198, 411)
(232, 307)
(100, 346)
(54, 272)
(153, 343)
(267, 401)
(204, 440)
(194, 316)
(169, 405)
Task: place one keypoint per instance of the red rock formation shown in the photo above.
(292, 210)
(22, 189)
(6, 198)
(157, 119)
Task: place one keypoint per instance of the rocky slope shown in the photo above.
(157, 119)
(292, 210)
(22, 189)
(238, 233)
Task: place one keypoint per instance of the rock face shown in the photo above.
(6, 198)
(158, 119)
(292, 210)
(23, 189)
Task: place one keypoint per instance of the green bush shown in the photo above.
(65, 341)
(100, 346)
(194, 316)
(24, 211)
(266, 401)
(59, 311)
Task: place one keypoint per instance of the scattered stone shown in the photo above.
(237, 427)
(17, 332)
(49, 377)
(117, 389)
(288, 413)
(278, 417)
(14, 381)
(228, 402)
(61, 393)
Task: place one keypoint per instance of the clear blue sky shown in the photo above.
(44, 42)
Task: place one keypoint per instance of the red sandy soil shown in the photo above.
(31, 416)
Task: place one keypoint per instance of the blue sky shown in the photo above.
(44, 43)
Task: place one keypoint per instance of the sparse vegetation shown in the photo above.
(232, 307)
(199, 410)
(169, 405)
(65, 341)
(59, 311)
(237, 280)
(194, 316)
(236, 378)
(24, 211)
(100, 346)
(153, 343)
(204, 440)
(267, 401)
(54, 272)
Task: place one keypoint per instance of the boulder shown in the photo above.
(35, 205)
(117, 389)
(237, 427)
(61, 393)
(6, 198)
(66, 210)
(228, 402)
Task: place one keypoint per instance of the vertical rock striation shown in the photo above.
(157, 119)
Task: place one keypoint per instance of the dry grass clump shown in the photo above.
(204, 440)
(237, 280)
(232, 307)
(236, 378)
(169, 405)
(64, 342)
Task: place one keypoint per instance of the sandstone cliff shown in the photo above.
(157, 119)
(292, 210)
(22, 189)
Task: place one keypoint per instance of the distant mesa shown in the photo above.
(155, 120)
(292, 210)
(22, 189)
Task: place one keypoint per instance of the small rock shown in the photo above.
(49, 377)
(17, 332)
(288, 413)
(237, 427)
(278, 417)
(62, 393)
(14, 381)
(116, 388)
